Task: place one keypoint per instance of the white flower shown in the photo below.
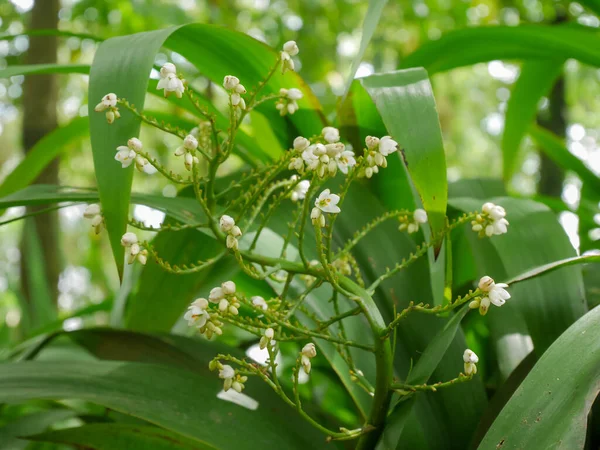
(387, 146)
(420, 216)
(231, 242)
(171, 83)
(491, 222)
(166, 69)
(496, 295)
(331, 134)
(190, 142)
(317, 217)
(227, 373)
(196, 314)
(300, 143)
(291, 48)
(294, 94)
(287, 101)
(345, 160)
(287, 63)
(125, 156)
(91, 211)
(108, 101)
(372, 142)
(230, 82)
(236, 232)
(128, 239)
(327, 202)
(226, 223)
(266, 339)
(216, 294)
(228, 287)
(259, 302)
(300, 190)
(470, 359)
(308, 352)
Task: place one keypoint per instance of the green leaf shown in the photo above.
(369, 26)
(115, 436)
(474, 45)
(37, 69)
(554, 266)
(42, 153)
(420, 374)
(535, 81)
(556, 150)
(178, 400)
(406, 104)
(29, 424)
(549, 304)
(40, 306)
(550, 408)
(122, 65)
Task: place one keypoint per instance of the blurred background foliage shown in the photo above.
(471, 101)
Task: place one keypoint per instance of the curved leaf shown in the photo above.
(178, 400)
(406, 104)
(536, 80)
(554, 266)
(11, 432)
(37, 69)
(474, 45)
(550, 408)
(42, 153)
(115, 436)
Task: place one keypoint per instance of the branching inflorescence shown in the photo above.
(246, 207)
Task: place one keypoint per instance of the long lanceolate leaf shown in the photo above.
(536, 79)
(550, 408)
(405, 101)
(182, 401)
(122, 65)
(473, 45)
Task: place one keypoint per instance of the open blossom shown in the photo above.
(308, 352)
(492, 221)
(127, 154)
(495, 294)
(345, 160)
(300, 190)
(377, 151)
(169, 81)
(287, 103)
(470, 359)
(387, 146)
(196, 314)
(328, 202)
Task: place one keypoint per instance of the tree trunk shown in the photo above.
(40, 95)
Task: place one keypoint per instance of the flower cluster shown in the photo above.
(325, 158)
(287, 103)
(231, 379)
(228, 226)
(94, 213)
(376, 153)
(300, 190)
(412, 226)
(290, 48)
(109, 104)
(224, 296)
(491, 221)
(496, 294)
(133, 250)
(470, 359)
(169, 81)
(127, 154)
(232, 84)
(308, 352)
(198, 316)
(326, 202)
(188, 151)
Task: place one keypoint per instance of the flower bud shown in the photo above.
(291, 48)
(300, 143)
(226, 223)
(91, 211)
(135, 144)
(486, 283)
(230, 82)
(128, 239)
(228, 287)
(190, 142)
